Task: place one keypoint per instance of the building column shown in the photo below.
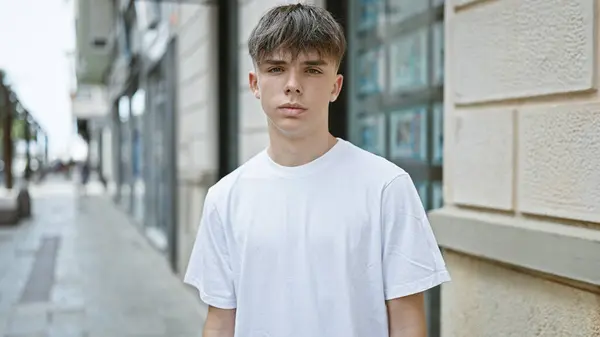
(228, 124)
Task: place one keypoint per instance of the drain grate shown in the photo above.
(41, 279)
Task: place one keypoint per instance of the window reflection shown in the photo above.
(371, 72)
(369, 13)
(408, 61)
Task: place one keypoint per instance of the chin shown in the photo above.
(291, 127)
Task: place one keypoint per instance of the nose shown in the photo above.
(292, 85)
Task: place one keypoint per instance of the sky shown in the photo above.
(36, 37)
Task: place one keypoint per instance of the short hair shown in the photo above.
(295, 29)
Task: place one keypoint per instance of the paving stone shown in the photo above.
(3, 323)
(75, 330)
(23, 322)
(108, 281)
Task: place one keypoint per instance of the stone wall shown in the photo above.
(522, 137)
(197, 118)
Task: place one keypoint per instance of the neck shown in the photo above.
(289, 151)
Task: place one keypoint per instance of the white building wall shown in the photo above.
(90, 101)
(197, 117)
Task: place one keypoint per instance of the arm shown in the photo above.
(406, 316)
(209, 270)
(412, 261)
(219, 322)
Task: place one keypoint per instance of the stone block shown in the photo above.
(194, 25)
(195, 60)
(251, 143)
(559, 161)
(193, 124)
(187, 12)
(251, 113)
(488, 300)
(482, 170)
(462, 3)
(522, 48)
(250, 13)
(245, 66)
(24, 321)
(204, 154)
(193, 92)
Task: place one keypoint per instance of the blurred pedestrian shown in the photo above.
(85, 176)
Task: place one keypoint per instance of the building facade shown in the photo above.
(491, 106)
(521, 218)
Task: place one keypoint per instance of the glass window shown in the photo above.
(422, 189)
(408, 134)
(370, 13)
(397, 77)
(372, 134)
(437, 135)
(138, 103)
(401, 10)
(437, 195)
(124, 109)
(438, 53)
(396, 109)
(371, 76)
(408, 61)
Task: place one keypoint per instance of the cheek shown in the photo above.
(265, 87)
(272, 95)
(321, 93)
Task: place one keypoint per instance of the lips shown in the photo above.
(292, 109)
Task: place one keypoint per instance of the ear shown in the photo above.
(253, 82)
(337, 87)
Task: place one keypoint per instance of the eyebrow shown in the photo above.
(318, 62)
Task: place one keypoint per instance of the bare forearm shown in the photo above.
(219, 323)
(406, 317)
(418, 330)
(208, 332)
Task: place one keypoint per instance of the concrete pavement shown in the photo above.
(79, 268)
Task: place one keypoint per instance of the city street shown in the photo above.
(80, 268)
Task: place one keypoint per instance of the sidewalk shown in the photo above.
(78, 268)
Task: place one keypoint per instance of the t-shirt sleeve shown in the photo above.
(209, 268)
(412, 261)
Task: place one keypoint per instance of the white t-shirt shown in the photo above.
(314, 250)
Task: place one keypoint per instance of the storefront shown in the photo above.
(124, 162)
(137, 164)
(395, 100)
(159, 151)
(141, 87)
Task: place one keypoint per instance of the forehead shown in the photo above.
(288, 56)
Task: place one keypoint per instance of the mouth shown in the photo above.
(292, 106)
(292, 109)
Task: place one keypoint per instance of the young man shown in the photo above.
(313, 237)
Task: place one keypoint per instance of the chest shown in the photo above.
(296, 220)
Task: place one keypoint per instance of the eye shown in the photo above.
(275, 70)
(313, 71)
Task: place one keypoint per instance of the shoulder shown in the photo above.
(222, 189)
(376, 169)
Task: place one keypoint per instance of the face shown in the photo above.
(295, 94)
